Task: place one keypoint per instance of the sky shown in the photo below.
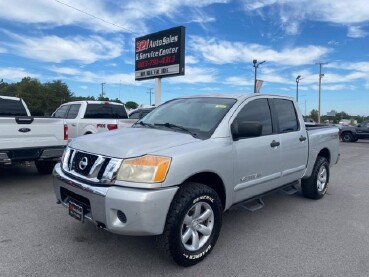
(88, 42)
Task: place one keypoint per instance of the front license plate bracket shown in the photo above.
(76, 211)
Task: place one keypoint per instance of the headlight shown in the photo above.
(145, 169)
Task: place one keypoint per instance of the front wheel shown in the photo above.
(193, 224)
(45, 167)
(316, 185)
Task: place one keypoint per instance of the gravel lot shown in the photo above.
(291, 236)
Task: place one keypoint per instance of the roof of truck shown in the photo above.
(238, 96)
(9, 98)
(94, 102)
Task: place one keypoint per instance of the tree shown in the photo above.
(41, 99)
(314, 115)
(131, 105)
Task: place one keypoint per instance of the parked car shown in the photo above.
(179, 168)
(90, 117)
(354, 133)
(24, 138)
(140, 113)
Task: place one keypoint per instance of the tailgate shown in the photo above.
(25, 133)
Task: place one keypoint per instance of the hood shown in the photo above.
(131, 142)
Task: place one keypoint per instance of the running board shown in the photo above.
(253, 205)
(290, 189)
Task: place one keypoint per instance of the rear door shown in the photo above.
(257, 159)
(362, 131)
(71, 119)
(294, 142)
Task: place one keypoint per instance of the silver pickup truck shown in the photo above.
(176, 171)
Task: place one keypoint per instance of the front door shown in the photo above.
(257, 159)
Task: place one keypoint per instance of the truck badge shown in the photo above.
(83, 163)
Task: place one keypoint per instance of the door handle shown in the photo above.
(302, 138)
(73, 124)
(275, 143)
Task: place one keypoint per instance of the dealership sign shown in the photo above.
(160, 54)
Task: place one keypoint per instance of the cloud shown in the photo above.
(59, 49)
(3, 50)
(335, 87)
(223, 52)
(191, 60)
(80, 75)
(16, 73)
(84, 87)
(291, 12)
(65, 70)
(126, 16)
(238, 81)
(356, 32)
(357, 66)
(196, 75)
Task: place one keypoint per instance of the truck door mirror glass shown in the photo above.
(246, 129)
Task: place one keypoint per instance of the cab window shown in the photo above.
(257, 111)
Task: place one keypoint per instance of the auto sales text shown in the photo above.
(153, 54)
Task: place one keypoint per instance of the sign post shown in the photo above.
(157, 92)
(160, 55)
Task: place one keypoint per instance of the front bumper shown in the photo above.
(145, 210)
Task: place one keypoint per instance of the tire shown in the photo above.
(191, 203)
(316, 185)
(45, 167)
(347, 137)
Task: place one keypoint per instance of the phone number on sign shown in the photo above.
(153, 62)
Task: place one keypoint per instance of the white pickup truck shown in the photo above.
(90, 117)
(24, 138)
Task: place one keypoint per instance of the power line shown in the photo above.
(96, 17)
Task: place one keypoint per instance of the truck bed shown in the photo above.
(324, 137)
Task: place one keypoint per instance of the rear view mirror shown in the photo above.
(246, 129)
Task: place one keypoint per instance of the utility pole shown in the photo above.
(102, 89)
(320, 85)
(256, 65)
(149, 92)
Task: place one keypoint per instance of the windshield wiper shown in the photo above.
(171, 125)
(144, 124)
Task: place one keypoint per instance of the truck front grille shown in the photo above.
(90, 167)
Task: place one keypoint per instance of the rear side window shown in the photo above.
(105, 111)
(145, 112)
(135, 115)
(12, 108)
(61, 112)
(257, 111)
(286, 115)
(73, 111)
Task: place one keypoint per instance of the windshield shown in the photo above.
(196, 116)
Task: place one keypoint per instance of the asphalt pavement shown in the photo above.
(290, 236)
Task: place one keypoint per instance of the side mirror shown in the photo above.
(246, 129)
(358, 125)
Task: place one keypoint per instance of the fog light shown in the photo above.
(122, 216)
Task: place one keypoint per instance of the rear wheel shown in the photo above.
(347, 137)
(193, 224)
(45, 167)
(316, 186)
